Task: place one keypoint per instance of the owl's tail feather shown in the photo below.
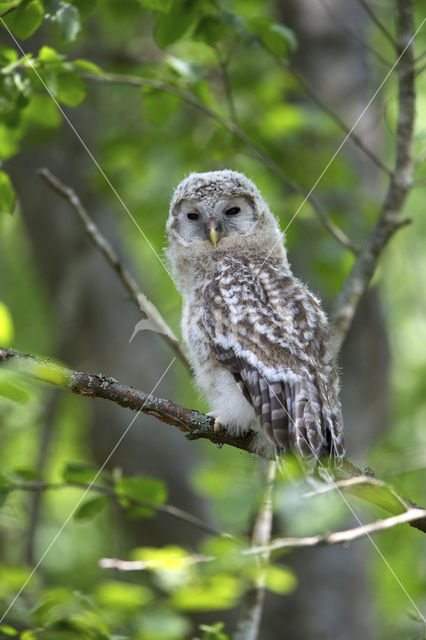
(295, 416)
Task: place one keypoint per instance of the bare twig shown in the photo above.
(335, 116)
(233, 128)
(367, 8)
(95, 235)
(353, 35)
(223, 65)
(399, 185)
(194, 424)
(345, 536)
(248, 623)
(142, 565)
(167, 509)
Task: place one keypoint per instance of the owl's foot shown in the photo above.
(218, 425)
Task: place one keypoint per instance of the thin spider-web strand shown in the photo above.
(86, 148)
(361, 524)
(345, 139)
(70, 515)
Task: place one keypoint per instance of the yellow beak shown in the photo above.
(213, 233)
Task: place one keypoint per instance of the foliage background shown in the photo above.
(58, 299)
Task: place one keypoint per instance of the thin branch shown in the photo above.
(345, 536)
(252, 604)
(354, 35)
(399, 185)
(167, 509)
(144, 305)
(223, 65)
(195, 425)
(143, 565)
(335, 117)
(365, 5)
(44, 445)
(233, 128)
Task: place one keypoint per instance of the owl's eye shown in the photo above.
(193, 216)
(232, 211)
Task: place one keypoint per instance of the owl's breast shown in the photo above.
(193, 331)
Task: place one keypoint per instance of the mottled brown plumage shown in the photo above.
(258, 338)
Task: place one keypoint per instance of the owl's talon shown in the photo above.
(218, 426)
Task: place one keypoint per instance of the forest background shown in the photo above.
(120, 100)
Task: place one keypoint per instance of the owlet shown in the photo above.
(258, 339)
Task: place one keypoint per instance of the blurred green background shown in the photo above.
(128, 98)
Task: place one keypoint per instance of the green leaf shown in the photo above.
(214, 632)
(9, 140)
(6, 322)
(211, 29)
(276, 37)
(91, 508)
(122, 595)
(159, 106)
(8, 631)
(8, 55)
(173, 25)
(26, 474)
(12, 391)
(280, 580)
(215, 592)
(26, 19)
(28, 635)
(49, 55)
(85, 7)
(142, 488)
(79, 473)
(87, 65)
(43, 111)
(190, 71)
(168, 558)
(157, 5)
(66, 18)
(70, 88)
(14, 93)
(164, 624)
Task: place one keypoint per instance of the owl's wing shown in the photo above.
(271, 334)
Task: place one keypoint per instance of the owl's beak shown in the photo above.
(214, 237)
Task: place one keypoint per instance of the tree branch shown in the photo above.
(252, 605)
(167, 509)
(101, 243)
(345, 536)
(354, 35)
(365, 5)
(338, 537)
(399, 185)
(233, 128)
(335, 116)
(195, 425)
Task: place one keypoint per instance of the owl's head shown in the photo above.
(217, 213)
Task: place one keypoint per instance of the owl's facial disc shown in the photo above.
(212, 221)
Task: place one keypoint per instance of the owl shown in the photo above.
(258, 339)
